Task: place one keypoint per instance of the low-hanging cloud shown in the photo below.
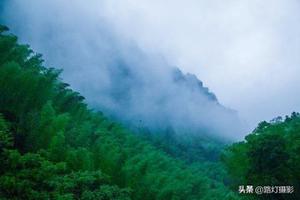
(120, 71)
(245, 51)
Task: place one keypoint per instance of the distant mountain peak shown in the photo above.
(192, 82)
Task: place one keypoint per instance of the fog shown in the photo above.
(121, 55)
(247, 51)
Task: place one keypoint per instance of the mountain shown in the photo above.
(191, 82)
(141, 96)
(53, 147)
(117, 76)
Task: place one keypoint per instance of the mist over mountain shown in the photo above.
(113, 73)
(111, 113)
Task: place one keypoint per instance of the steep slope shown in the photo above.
(53, 147)
(139, 88)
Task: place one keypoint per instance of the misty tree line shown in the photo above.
(53, 147)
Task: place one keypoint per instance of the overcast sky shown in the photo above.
(245, 51)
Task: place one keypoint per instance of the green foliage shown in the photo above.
(5, 137)
(186, 146)
(53, 147)
(268, 156)
(31, 176)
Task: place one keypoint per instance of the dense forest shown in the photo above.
(53, 146)
(270, 156)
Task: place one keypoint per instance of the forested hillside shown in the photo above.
(270, 156)
(115, 74)
(54, 147)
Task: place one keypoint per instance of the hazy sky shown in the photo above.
(245, 51)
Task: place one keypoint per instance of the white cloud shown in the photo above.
(245, 51)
